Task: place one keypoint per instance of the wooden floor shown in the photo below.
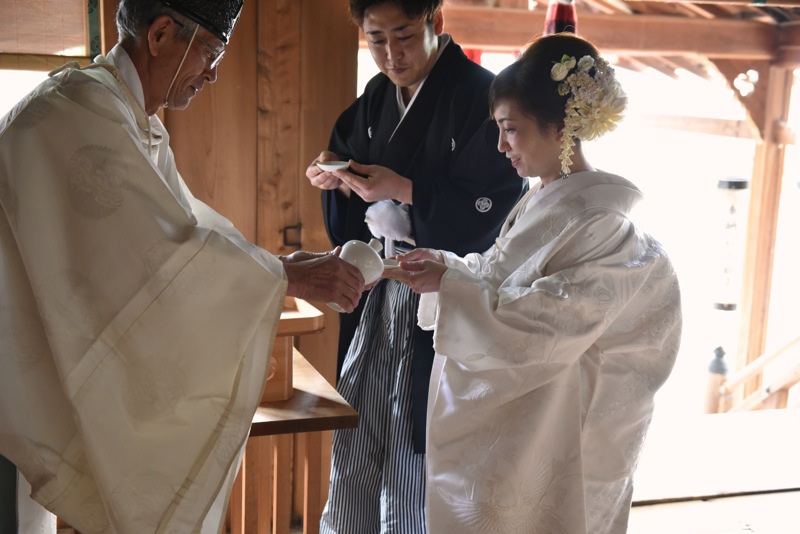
(723, 454)
(765, 513)
(720, 474)
(751, 459)
(741, 471)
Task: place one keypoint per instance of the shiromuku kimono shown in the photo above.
(463, 189)
(549, 349)
(135, 322)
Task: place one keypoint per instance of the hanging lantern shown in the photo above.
(726, 285)
(730, 252)
(561, 17)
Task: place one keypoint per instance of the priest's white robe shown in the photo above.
(136, 323)
(550, 348)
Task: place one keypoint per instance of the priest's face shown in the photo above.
(199, 67)
(404, 49)
(533, 150)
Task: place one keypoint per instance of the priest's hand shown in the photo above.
(323, 179)
(323, 276)
(303, 255)
(421, 269)
(375, 182)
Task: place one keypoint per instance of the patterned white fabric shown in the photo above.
(135, 322)
(550, 348)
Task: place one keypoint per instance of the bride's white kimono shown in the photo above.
(135, 322)
(550, 348)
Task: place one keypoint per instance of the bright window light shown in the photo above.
(15, 84)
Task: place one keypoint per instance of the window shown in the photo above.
(15, 84)
(46, 27)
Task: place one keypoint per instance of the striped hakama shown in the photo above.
(377, 482)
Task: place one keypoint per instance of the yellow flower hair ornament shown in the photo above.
(596, 101)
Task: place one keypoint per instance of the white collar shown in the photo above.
(444, 40)
(127, 71)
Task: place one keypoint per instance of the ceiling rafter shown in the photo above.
(599, 6)
(634, 35)
(700, 11)
(744, 3)
(689, 64)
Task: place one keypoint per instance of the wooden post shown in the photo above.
(762, 224)
(108, 25)
(717, 371)
(214, 139)
(312, 509)
(328, 79)
(282, 486)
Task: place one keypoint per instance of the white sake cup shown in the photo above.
(364, 256)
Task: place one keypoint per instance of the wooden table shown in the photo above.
(315, 406)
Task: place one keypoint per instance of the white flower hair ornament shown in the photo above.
(596, 101)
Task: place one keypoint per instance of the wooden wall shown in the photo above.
(244, 143)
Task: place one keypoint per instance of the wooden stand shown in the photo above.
(261, 500)
(298, 317)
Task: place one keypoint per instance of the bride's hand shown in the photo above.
(422, 276)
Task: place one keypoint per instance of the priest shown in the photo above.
(136, 323)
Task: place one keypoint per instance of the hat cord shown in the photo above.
(180, 65)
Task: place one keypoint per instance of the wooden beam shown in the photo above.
(599, 6)
(634, 35)
(630, 63)
(619, 6)
(788, 50)
(753, 3)
(756, 102)
(664, 67)
(698, 68)
(757, 366)
(700, 11)
(36, 62)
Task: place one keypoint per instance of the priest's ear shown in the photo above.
(161, 32)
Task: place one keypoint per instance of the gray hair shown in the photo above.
(133, 15)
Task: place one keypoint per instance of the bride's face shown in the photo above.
(532, 149)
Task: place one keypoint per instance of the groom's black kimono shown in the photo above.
(463, 188)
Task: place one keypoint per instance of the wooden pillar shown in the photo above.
(214, 139)
(278, 112)
(243, 146)
(328, 79)
(108, 25)
(763, 222)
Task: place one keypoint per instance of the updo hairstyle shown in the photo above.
(528, 83)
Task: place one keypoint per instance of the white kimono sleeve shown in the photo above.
(136, 331)
(550, 320)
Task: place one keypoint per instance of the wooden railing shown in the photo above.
(773, 394)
